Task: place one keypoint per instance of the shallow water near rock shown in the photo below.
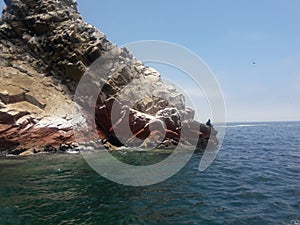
(254, 180)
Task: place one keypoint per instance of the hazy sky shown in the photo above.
(229, 36)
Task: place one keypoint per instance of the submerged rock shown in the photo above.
(46, 47)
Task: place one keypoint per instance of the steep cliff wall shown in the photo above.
(46, 47)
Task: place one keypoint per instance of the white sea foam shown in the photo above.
(70, 151)
(241, 125)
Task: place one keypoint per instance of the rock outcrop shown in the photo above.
(46, 48)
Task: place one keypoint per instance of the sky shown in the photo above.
(252, 47)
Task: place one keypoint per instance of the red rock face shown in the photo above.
(15, 139)
(136, 129)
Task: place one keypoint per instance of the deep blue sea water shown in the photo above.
(255, 179)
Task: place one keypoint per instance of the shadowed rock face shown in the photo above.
(46, 48)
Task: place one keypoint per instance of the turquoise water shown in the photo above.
(254, 180)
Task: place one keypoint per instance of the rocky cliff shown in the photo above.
(46, 47)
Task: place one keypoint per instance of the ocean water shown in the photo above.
(255, 179)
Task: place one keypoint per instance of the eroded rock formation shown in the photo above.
(46, 47)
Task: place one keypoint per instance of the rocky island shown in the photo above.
(46, 48)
